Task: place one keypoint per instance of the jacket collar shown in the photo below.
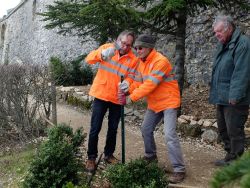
(151, 55)
(234, 38)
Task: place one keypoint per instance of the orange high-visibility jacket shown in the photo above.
(105, 84)
(154, 81)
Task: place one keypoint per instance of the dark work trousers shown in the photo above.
(99, 108)
(231, 120)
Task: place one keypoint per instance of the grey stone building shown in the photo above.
(23, 38)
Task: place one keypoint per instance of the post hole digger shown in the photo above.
(122, 129)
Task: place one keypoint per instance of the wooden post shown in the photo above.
(53, 96)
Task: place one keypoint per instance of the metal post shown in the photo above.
(122, 130)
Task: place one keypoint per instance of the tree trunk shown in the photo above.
(180, 48)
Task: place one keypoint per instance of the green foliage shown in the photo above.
(72, 73)
(71, 185)
(56, 163)
(85, 105)
(87, 74)
(101, 19)
(60, 71)
(237, 173)
(136, 174)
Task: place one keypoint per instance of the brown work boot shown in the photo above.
(111, 159)
(177, 177)
(150, 159)
(90, 165)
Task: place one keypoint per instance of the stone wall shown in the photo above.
(23, 38)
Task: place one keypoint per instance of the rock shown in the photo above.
(193, 122)
(209, 136)
(207, 123)
(182, 121)
(215, 125)
(67, 89)
(136, 113)
(79, 93)
(85, 97)
(128, 111)
(185, 117)
(189, 130)
(200, 122)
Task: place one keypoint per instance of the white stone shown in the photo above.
(207, 123)
(182, 121)
(80, 93)
(67, 89)
(185, 117)
(200, 122)
(85, 97)
(215, 125)
(193, 122)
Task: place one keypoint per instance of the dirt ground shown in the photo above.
(198, 156)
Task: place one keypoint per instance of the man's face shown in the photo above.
(142, 52)
(125, 43)
(222, 33)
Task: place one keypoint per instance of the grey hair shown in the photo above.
(127, 33)
(227, 20)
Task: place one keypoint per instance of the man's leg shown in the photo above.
(113, 121)
(173, 145)
(99, 109)
(172, 140)
(236, 117)
(149, 123)
(222, 127)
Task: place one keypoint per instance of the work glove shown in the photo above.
(118, 45)
(108, 53)
(124, 86)
(121, 97)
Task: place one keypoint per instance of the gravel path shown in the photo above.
(198, 156)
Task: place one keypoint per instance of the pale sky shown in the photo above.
(7, 4)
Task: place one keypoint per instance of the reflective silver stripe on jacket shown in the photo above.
(116, 71)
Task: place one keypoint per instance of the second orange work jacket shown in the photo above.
(153, 80)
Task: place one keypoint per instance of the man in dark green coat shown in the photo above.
(230, 86)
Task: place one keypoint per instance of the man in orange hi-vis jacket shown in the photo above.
(153, 80)
(115, 60)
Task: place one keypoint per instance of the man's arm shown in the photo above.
(240, 79)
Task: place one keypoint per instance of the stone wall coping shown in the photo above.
(13, 10)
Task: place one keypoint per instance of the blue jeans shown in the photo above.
(99, 108)
(150, 121)
(231, 120)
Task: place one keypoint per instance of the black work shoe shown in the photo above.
(177, 177)
(90, 165)
(221, 162)
(111, 159)
(226, 161)
(151, 159)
